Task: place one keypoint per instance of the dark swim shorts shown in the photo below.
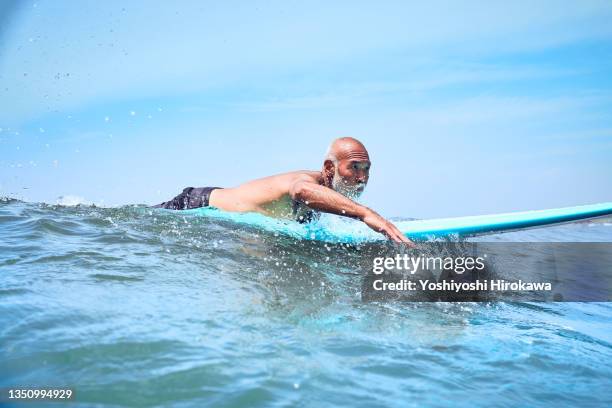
(191, 197)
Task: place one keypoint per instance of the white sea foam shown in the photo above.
(71, 201)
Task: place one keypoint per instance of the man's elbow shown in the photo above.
(299, 191)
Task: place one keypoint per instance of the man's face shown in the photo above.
(351, 177)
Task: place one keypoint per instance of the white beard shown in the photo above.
(351, 192)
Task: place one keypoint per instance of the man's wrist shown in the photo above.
(364, 212)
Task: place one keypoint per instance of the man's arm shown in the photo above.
(327, 200)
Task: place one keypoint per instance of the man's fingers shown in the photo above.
(391, 235)
(397, 233)
(397, 236)
(402, 237)
(406, 240)
(394, 238)
(403, 240)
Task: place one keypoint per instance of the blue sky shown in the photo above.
(466, 107)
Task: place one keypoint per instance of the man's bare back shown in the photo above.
(269, 195)
(301, 195)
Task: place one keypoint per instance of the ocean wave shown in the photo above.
(209, 309)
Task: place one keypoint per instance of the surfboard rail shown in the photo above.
(486, 224)
(354, 232)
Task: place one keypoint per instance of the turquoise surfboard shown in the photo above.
(487, 224)
(340, 229)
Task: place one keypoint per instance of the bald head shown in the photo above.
(347, 167)
(347, 148)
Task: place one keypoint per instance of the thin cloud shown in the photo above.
(58, 58)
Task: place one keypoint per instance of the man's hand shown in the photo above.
(379, 224)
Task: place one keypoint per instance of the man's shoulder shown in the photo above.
(305, 175)
(285, 180)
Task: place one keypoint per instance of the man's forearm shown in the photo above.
(327, 200)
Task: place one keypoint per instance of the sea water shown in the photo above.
(137, 307)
